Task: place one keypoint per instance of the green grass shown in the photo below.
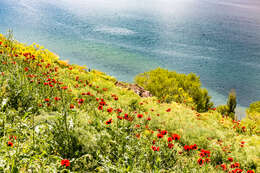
(42, 131)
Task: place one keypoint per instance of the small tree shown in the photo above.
(231, 103)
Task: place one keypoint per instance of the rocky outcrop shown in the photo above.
(136, 88)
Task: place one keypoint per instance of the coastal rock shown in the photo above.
(136, 88)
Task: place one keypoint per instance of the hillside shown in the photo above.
(59, 117)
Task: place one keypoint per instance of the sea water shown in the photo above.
(219, 40)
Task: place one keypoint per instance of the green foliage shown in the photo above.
(252, 119)
(232, 103)
(222, 109)
(170, 86)
(50, 112)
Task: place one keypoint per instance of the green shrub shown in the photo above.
(232, 103)
(170, 86)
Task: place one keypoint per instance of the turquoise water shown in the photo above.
(216, 39)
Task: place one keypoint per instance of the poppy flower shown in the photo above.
(119, 117)
(64, 87)
(187, 148)
(149, 118)
(119, 110)
(169, 139)
(250, 171)
(202, 154)
(140, 116)
(10, 144)
(65, 162)
(194, 147)
(206, 152)
(47, 100)
(224, 167)
(159, 135)
(168, 110)
(235, 165)
(26, 69)
(125, 116)
(200, 161)
(109, 110)
(153, 142)
(230, 159)
(71, 106)
(56, 98)
(242, 142)
(170, 145)
(238, 170)
(80, 101)
(207, 160)
(100, 107)
(102, 103)
(154, 148)
(109, 121)
(164, 132)
(175, 137)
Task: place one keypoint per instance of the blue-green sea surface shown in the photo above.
(219, 40)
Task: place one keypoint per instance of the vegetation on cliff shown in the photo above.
(58, 117)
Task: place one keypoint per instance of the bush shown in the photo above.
(232, 103)
(170, 86)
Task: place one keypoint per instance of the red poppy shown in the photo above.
(159, 135)
(224, 167)
(230, 159)
(26, 69)
(235, 165)
(80, 101)
(119, 110)
(10, 144)
(194, 147)
(64, 87)
(126, 116)
(139, 115)
(109, 110)
(207, 160)
(238, 170)
(169, 139)
(205, 152)
(187, 147)
(168, 110)
(153, 142)
(200, 161)
(102, 103)
(154, 148)
(100, 107)
(170, 145)
(109, 121)
(250, 171)
(115, 98)
(47, 100)
(71, 106)
(56, 98)
(242, 142)
(164, 132)
(175, 137)
(65, 162)
(119, 117)
(149, 118)
(97, 99)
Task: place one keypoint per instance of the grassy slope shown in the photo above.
(49, 131)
